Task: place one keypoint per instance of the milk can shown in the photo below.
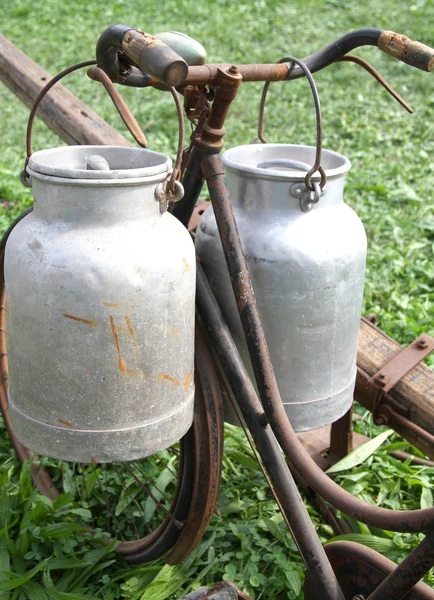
(307, 261)
(100, 290)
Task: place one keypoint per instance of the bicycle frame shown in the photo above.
(265, 416)
(266, 419)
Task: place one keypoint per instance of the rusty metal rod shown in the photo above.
(408, 573)
(301, 525)
(208, 74)
(192, 181)
(414, 460)
(385, 415)
(402, 521)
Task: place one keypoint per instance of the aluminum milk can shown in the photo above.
(307, 265)
(100, 291)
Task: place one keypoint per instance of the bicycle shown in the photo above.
(133, 58)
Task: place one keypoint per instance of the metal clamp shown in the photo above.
(164, 196)
(306, 197)
(402, 363)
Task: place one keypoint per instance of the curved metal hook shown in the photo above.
(317, 164)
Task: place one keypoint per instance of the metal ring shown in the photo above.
(177, 193)
(25, 178)
(164, 194)
(316, 192)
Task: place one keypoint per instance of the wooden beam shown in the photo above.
(64, 113)
(414, 393)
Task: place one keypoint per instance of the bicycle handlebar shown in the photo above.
(133, 58)
(413, 53)
(138, 59)
(154, 57)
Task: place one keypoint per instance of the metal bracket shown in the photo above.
(306, 197)
(402, 363)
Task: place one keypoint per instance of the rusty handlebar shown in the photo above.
(138, 59)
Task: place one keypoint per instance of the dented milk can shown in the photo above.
(307, 263)
(100, 288)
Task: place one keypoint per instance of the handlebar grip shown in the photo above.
(154, 57)
(409, 51)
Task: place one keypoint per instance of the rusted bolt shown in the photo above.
(422, 343)
(381, 379)
(380, 420)
(233, 70)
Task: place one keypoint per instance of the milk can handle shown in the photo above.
(99, 75)
(317, 164)
(173, 189)
(24, 176)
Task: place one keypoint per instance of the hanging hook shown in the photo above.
(317, 164)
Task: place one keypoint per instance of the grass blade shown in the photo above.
(381, 545)
(360, 454)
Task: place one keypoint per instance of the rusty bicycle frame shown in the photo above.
(119, 52)
(129, 57)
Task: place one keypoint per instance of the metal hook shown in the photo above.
(317, 164)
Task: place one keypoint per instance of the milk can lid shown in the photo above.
(100, 163)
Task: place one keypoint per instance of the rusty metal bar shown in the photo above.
(402, 521)
(398, 46)
(207, 74)
(301, 525)
(368, 396)
(341, 436)
(402, 363)
(407, 573)
(385, 415)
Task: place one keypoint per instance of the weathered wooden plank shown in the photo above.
(415, 392)
(72, 120)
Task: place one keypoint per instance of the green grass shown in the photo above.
(390, 186)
